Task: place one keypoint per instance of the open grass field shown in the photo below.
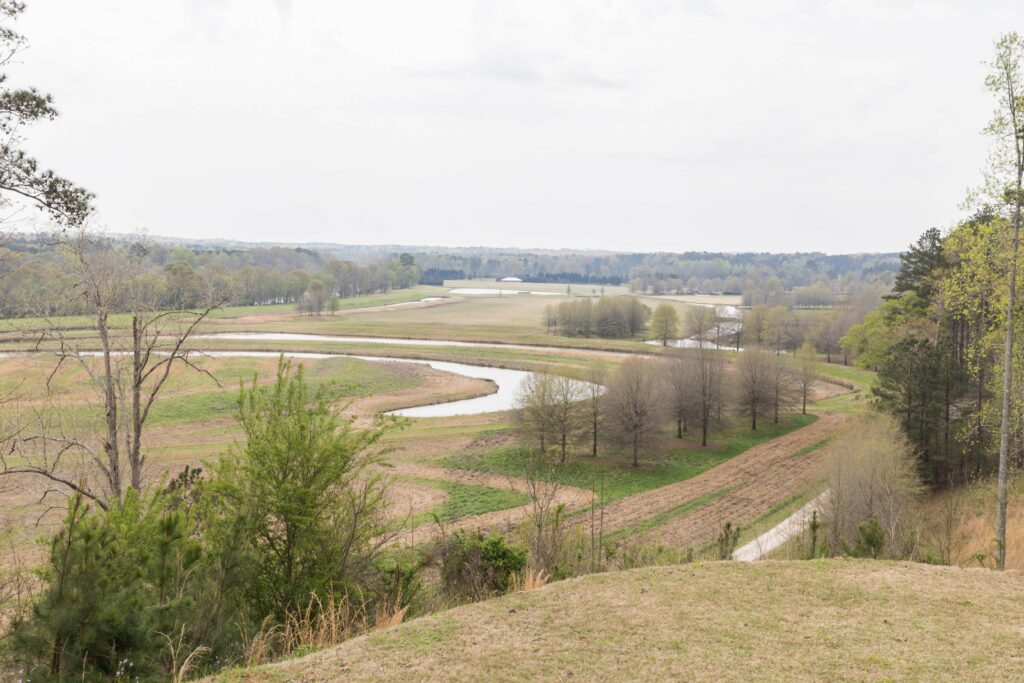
(856, 620)
(509, 319)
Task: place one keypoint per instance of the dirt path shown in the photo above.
(758, 479)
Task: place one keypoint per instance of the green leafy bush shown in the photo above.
(474, 566)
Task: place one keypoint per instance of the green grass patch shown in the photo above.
(620, 478)
(466, 500)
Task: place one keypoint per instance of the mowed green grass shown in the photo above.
(614, 473)
(820, 620)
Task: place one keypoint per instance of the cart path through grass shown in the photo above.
(781, 532)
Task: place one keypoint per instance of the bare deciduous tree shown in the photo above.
(782, 379)
(632, 409)
(128, 370)
(568, 418)
(754, 384)
(678, 383)
(700, 321)
(806, 372)
(546, 531)
(707, 374)
(533, 403)
(597, 375)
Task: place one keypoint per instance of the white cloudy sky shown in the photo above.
(663, 125)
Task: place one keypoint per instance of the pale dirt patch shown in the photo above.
(406, 498)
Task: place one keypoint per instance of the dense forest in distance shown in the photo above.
(183, 273)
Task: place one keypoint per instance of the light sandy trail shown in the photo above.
(780, 533)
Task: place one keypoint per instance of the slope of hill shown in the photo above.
(818, 620)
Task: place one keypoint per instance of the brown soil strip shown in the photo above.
(761, 477)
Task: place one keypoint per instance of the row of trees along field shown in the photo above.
(778, 328)
(610, 317)
(947, 342)
(691, 388)
(37, 275)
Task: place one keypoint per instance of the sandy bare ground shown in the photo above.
(757, 479)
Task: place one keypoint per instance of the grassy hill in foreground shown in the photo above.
(827, 619)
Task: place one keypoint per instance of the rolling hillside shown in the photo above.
(818, 620)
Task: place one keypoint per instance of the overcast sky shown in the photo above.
(686, 125)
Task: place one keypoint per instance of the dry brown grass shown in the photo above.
(531, 580)
(724, 621)
(964, 524)
(321, 624)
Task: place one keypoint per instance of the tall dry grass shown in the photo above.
(530, 580)
(959, 526)
(319, 625)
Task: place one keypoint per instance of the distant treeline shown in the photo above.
(257, 274)
(806, 280)
(713, 272)
(37, 275)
